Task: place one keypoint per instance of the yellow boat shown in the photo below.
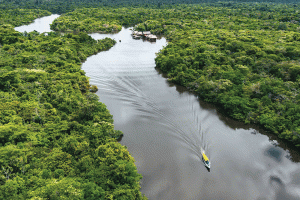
(205, 159)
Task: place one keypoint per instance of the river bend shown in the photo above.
(164, 127)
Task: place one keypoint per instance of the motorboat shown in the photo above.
(205, 159)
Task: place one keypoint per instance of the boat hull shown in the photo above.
(207, 165)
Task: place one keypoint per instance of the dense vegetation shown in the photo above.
(17, 17)
(244, 58)
(63, 6)
(57, 141)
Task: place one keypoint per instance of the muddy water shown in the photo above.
(164, 127)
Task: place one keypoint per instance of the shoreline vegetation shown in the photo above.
(245, 62)
(18, 17)
(243, 58)
(58, 141)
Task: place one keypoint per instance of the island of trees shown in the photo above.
(58, 141)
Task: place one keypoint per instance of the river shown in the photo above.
(165, 125)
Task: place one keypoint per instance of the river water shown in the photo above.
(41, 24)
(165, 126)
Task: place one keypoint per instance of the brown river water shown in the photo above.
(165, 126)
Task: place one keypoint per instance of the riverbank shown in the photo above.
(250, 71)
(165, 125)
(57, 139)
(18, 17)
(243, 61)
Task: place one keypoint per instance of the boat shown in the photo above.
(136, 37)
(205, 159)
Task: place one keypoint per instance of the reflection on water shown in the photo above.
(165, 126)
(274, 153)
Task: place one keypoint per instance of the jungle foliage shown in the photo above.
(244, 58)
(64, 6)
(17, 17)
(57, 141)
(246, 61)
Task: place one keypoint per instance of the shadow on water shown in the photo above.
(208, 169)
(165, 125)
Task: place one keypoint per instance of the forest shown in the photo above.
(244, 59)
(58, 141)
(63, 6)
